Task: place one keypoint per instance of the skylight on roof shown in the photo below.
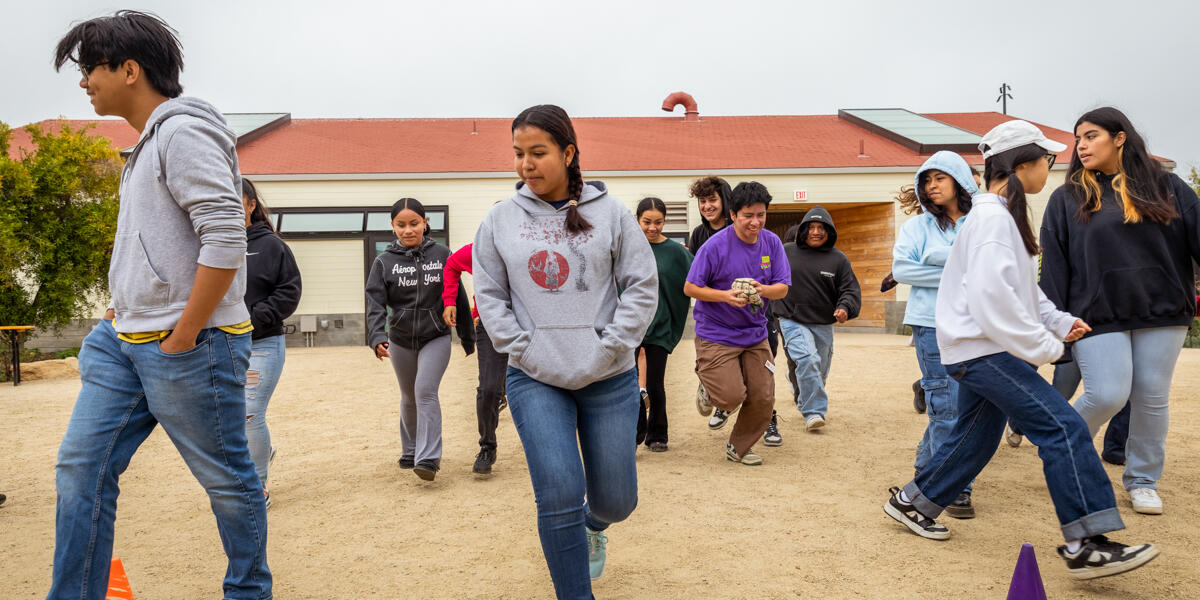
(911, 130)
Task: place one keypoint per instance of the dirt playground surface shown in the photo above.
(346, 522)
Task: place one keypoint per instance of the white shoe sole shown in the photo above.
(1148, 510)
(897, 515)
(815, 425)
(772, 444)
(1115, 569)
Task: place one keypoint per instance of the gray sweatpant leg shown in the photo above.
(420, 374)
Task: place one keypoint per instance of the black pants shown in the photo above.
(492, 368)
(656, 370)
(1116, 435)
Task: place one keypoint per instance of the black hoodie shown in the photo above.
(272, 281)
(409, 282)
(822, 280)
(1119, 276)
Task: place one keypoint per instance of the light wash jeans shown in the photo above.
(198, 396)
(557, 426)
(266, 364)
(1134, 366)
(999, 387)
(941, 396)
(811, 347)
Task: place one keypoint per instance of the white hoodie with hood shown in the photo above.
(568, 309)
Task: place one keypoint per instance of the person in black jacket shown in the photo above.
(272, 294)
(407, 279)
(1118, 241)
(824, 291)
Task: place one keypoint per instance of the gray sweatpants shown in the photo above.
(420, 374)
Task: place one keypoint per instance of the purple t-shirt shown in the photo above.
(723, 258)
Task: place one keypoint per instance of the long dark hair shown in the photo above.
(127, 35)
(651, 203)
(913, 199)
(707, 186)
(261, 213)
(554, 121)
(411, 204)
(1139, 182)
(1004, 166)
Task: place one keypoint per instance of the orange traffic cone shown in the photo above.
(118, 583)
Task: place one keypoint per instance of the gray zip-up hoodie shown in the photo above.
(568, 309)
(181, 207)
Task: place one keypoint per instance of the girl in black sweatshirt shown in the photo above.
(407, 278)
(1118, 241)
(272, 294)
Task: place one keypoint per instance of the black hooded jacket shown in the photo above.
(409, 282)
(272, 281)
(822, 280)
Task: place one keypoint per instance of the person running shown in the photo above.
(570, 339)
(670, 319)
(272, 294)
(174, 344)
(406, 279)
(1120, 237)
(712, 196)
(738, 265)
(941, 198)
(823, 291)
(489, 395)
(993, 326)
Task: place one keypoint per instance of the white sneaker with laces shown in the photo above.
(814, 422)
(1146, 501)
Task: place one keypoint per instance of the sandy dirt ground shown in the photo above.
(348, 523)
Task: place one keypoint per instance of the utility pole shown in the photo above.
(1004, 97)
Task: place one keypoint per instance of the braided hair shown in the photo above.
(554, 121)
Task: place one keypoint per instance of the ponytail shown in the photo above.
(1003, 166)
(554, 121)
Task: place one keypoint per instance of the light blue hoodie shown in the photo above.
(922, 248)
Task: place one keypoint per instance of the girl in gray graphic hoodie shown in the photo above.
(566, 285)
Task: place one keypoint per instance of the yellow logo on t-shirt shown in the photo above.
(766, 262)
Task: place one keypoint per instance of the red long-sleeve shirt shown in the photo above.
(455, 265)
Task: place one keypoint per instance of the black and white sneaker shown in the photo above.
(961, 508)
(907, 514)
(772, 437)
(702, 404)
(718, 420)
(1098, 557)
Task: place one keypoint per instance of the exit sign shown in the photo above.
(801, 196)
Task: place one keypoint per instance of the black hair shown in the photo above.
(1139, 182)
(555, 121)
(127, 35)
(792, 234)
(1004, 166)
(411, 204)
(747, 193)
(651, 203)
(707, 186)
(261, 213)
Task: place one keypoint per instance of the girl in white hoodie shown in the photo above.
(994, 326)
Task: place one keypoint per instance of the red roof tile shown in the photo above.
(348, 146)
(117, 130)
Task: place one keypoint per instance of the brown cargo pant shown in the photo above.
(736, 377)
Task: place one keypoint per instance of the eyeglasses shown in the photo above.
(1050, 158)
(85, 71)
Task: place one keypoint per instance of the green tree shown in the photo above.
(1194, 179)
(58, 216)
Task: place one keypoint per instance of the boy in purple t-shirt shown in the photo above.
(733, 358)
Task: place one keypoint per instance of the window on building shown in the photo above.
(357, 222)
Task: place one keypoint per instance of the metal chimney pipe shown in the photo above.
(691, 111)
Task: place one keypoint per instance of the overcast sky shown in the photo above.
(621, 58)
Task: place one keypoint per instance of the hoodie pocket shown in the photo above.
(566, 356)
(1140, 292)
(135, 284)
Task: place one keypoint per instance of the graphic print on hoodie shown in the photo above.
(549, 298)
(409, 282)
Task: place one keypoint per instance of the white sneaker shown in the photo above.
(1011, 437)
(814, 422)
(1146, 501)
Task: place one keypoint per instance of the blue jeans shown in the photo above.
(198, 396)
(266, 364)
(941, 396)
(599, 490)
(1135, 367)
(811, 347)
(997, 386)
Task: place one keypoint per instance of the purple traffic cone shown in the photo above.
(1026, 580)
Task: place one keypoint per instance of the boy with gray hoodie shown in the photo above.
(174, 344)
